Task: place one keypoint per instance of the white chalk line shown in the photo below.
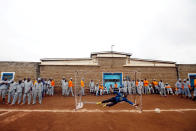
(94, 110)
(5, 113)
(86, 102)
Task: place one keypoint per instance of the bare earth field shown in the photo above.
(57, 113)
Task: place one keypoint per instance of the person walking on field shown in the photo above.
(70, 86)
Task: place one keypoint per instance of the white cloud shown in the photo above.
(153, 29)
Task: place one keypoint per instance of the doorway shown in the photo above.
(192, 76)
(111, 78)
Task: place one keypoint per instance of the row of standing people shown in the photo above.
(67, 87)
(132, 87)
(145, 87)
(26, 89)
(183, 88)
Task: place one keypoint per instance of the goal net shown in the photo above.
(89, 86)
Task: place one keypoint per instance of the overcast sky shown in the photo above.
(150, 29)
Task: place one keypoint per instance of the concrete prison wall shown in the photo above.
(35, 70)
(22, 69)
(185, 69)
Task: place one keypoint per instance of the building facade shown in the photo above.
(102, 67)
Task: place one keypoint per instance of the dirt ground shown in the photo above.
(105, 121)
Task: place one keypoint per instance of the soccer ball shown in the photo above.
(157, 110)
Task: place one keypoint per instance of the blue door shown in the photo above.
(111, 78)
(192, 77)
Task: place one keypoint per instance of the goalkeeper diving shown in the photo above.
(114, 100)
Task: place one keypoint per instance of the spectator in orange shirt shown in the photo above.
(155, 86)
(70, 85)
(82, 86)
(101, 89)
(194, 94)
(146, 90)
(52, 87)
(116, 87)
(168, 89)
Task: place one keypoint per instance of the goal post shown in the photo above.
(134, 93)
(98, 77)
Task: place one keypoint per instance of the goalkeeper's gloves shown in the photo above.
(98, 103)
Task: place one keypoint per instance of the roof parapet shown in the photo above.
(111, 52)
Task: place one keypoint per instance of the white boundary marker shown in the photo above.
(94, 110)
(5, 113)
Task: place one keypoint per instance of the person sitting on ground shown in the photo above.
(110, 89)
(101, 89)
(116, 87)
(114, 100)
(151, 89)
(168, 89)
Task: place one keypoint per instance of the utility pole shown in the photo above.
(112, 48)
(112, 54)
